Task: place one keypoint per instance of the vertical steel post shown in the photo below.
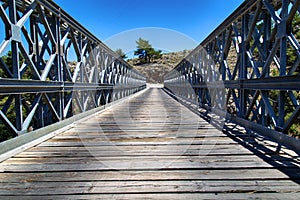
(243, 65)
(59, 70)
(266, 47)
(15, 63)
(283, 60)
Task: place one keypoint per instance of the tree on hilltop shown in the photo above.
(145, 51)
(121, 53)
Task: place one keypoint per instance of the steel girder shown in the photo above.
(243, 64)
(55, 68)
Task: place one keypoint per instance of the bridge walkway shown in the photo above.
(150, 146)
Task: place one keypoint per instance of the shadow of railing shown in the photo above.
(282, 159)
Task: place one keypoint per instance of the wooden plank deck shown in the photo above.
(149, 147)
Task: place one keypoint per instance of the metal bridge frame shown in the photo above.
(236, 69)
(58, 68)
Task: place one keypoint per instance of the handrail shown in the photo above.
(242, 70)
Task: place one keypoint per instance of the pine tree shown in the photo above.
(121, 53)
(145, 51)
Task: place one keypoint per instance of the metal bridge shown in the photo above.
(86, 126)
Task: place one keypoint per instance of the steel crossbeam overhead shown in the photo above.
(53, 68)
(243, 70)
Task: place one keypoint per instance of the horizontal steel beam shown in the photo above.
(272, 83)
(12, 86)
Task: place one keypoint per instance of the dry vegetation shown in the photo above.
(156, 70)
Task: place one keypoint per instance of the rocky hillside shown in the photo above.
(156, 70)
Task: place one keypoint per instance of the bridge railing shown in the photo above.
(247, 70)
(52, 68)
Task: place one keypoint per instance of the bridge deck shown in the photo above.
(149, 146)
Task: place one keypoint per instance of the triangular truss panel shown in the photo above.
(52, 68)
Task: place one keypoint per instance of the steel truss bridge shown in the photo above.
(85, 124)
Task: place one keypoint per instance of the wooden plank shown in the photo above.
(137, 142)
(116, 153)
(140, 187)
(150, 158)
(154, 175)
(156, 196)
(157, 135)
(140, 165)
(214, 149)
(169, 150)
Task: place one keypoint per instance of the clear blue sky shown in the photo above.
(193, 18)
(170, 25)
